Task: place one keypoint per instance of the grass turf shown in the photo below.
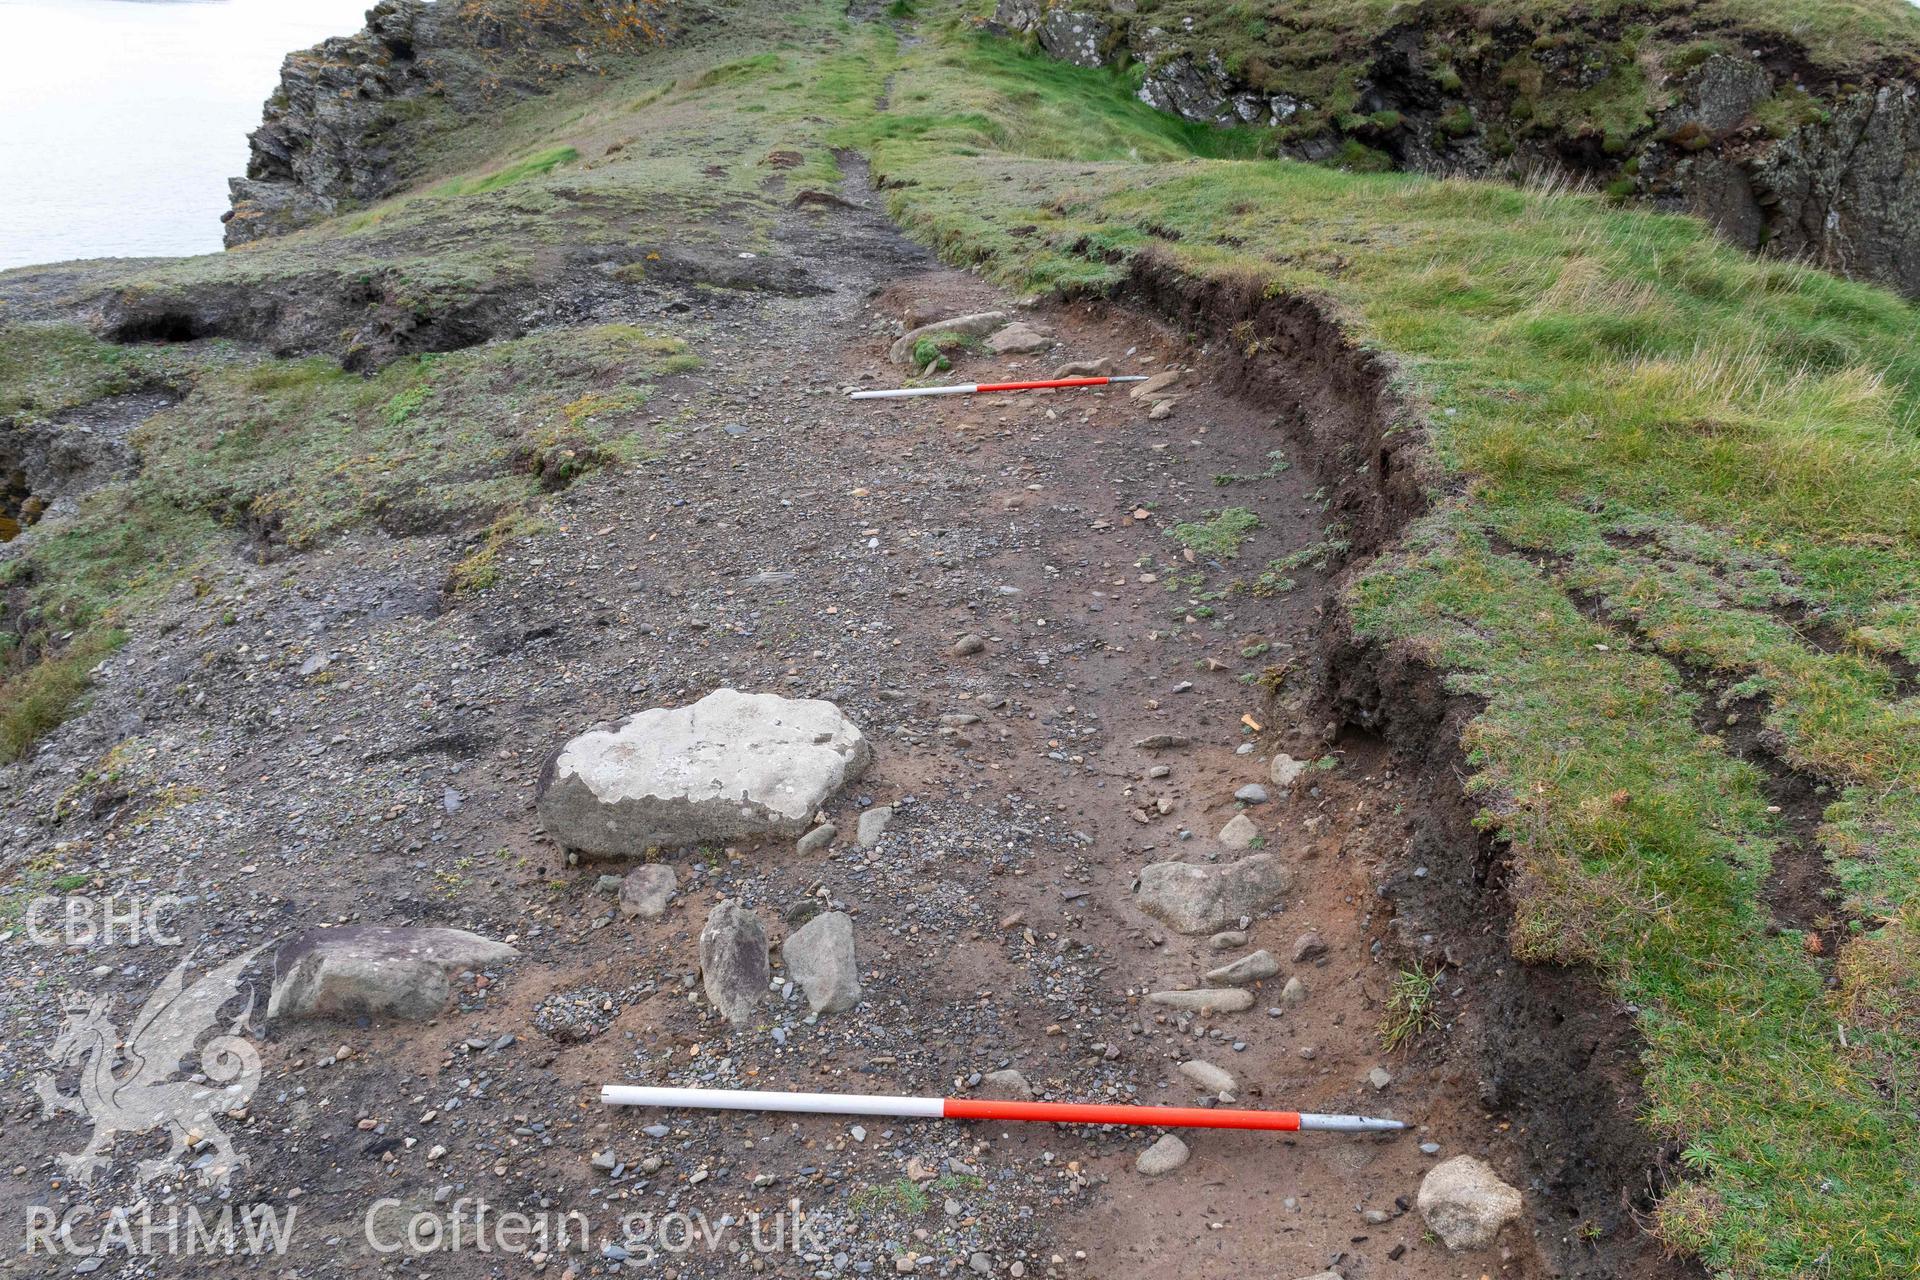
(296, 452)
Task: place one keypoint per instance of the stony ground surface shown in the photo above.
(336, 738)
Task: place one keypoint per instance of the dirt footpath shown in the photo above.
(335, 737)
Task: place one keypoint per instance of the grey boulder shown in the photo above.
(820, 957)
(1193, 898)
(1465, 1203)
(1018, 339)
(1155, 387)
(873, 824)
(730, 766)
(733, 961)
(1207, 1076)
(1285, 770)
(1100, 368)
(973, 326)
(1248, 968)
(1006, 1085)
(366, 971)
(646, 890)
(1210, 1000)
(1239, 833)
(1163, 1156)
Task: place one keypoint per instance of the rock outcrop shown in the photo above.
(731, 765)
(1843, 191)
(1075, 35)
(1779, 153)
(331, 130)
(46, 464)
(346, 123)
(1191, 897)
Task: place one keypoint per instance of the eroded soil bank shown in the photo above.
(337, 736)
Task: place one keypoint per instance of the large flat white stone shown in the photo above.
(730, 766)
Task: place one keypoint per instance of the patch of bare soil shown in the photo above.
(332, 739)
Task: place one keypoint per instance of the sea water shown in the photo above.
(121, 120)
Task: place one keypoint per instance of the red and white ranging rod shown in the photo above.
(973, 388)
(876, 1104)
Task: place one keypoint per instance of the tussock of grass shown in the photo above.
(480, 570)
(41, 696)
(1219, 536)
(742, 69)
(537, 165)
(432, 442)
(927, 353)
(47, 368)
(1410, 1013)
(900, 1198)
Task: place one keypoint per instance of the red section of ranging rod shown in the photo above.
(1098, 1113)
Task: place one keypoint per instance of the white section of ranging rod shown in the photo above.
(834, 1104)
(961, 389)
(970, 388)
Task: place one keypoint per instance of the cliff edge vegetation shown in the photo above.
(1790, 127)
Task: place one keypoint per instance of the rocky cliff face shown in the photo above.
(329, 131)
(345, 126)
(1778, 153)
(1843, 191)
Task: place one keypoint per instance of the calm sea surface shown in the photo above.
(121, 120)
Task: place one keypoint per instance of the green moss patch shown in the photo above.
(536, 165)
